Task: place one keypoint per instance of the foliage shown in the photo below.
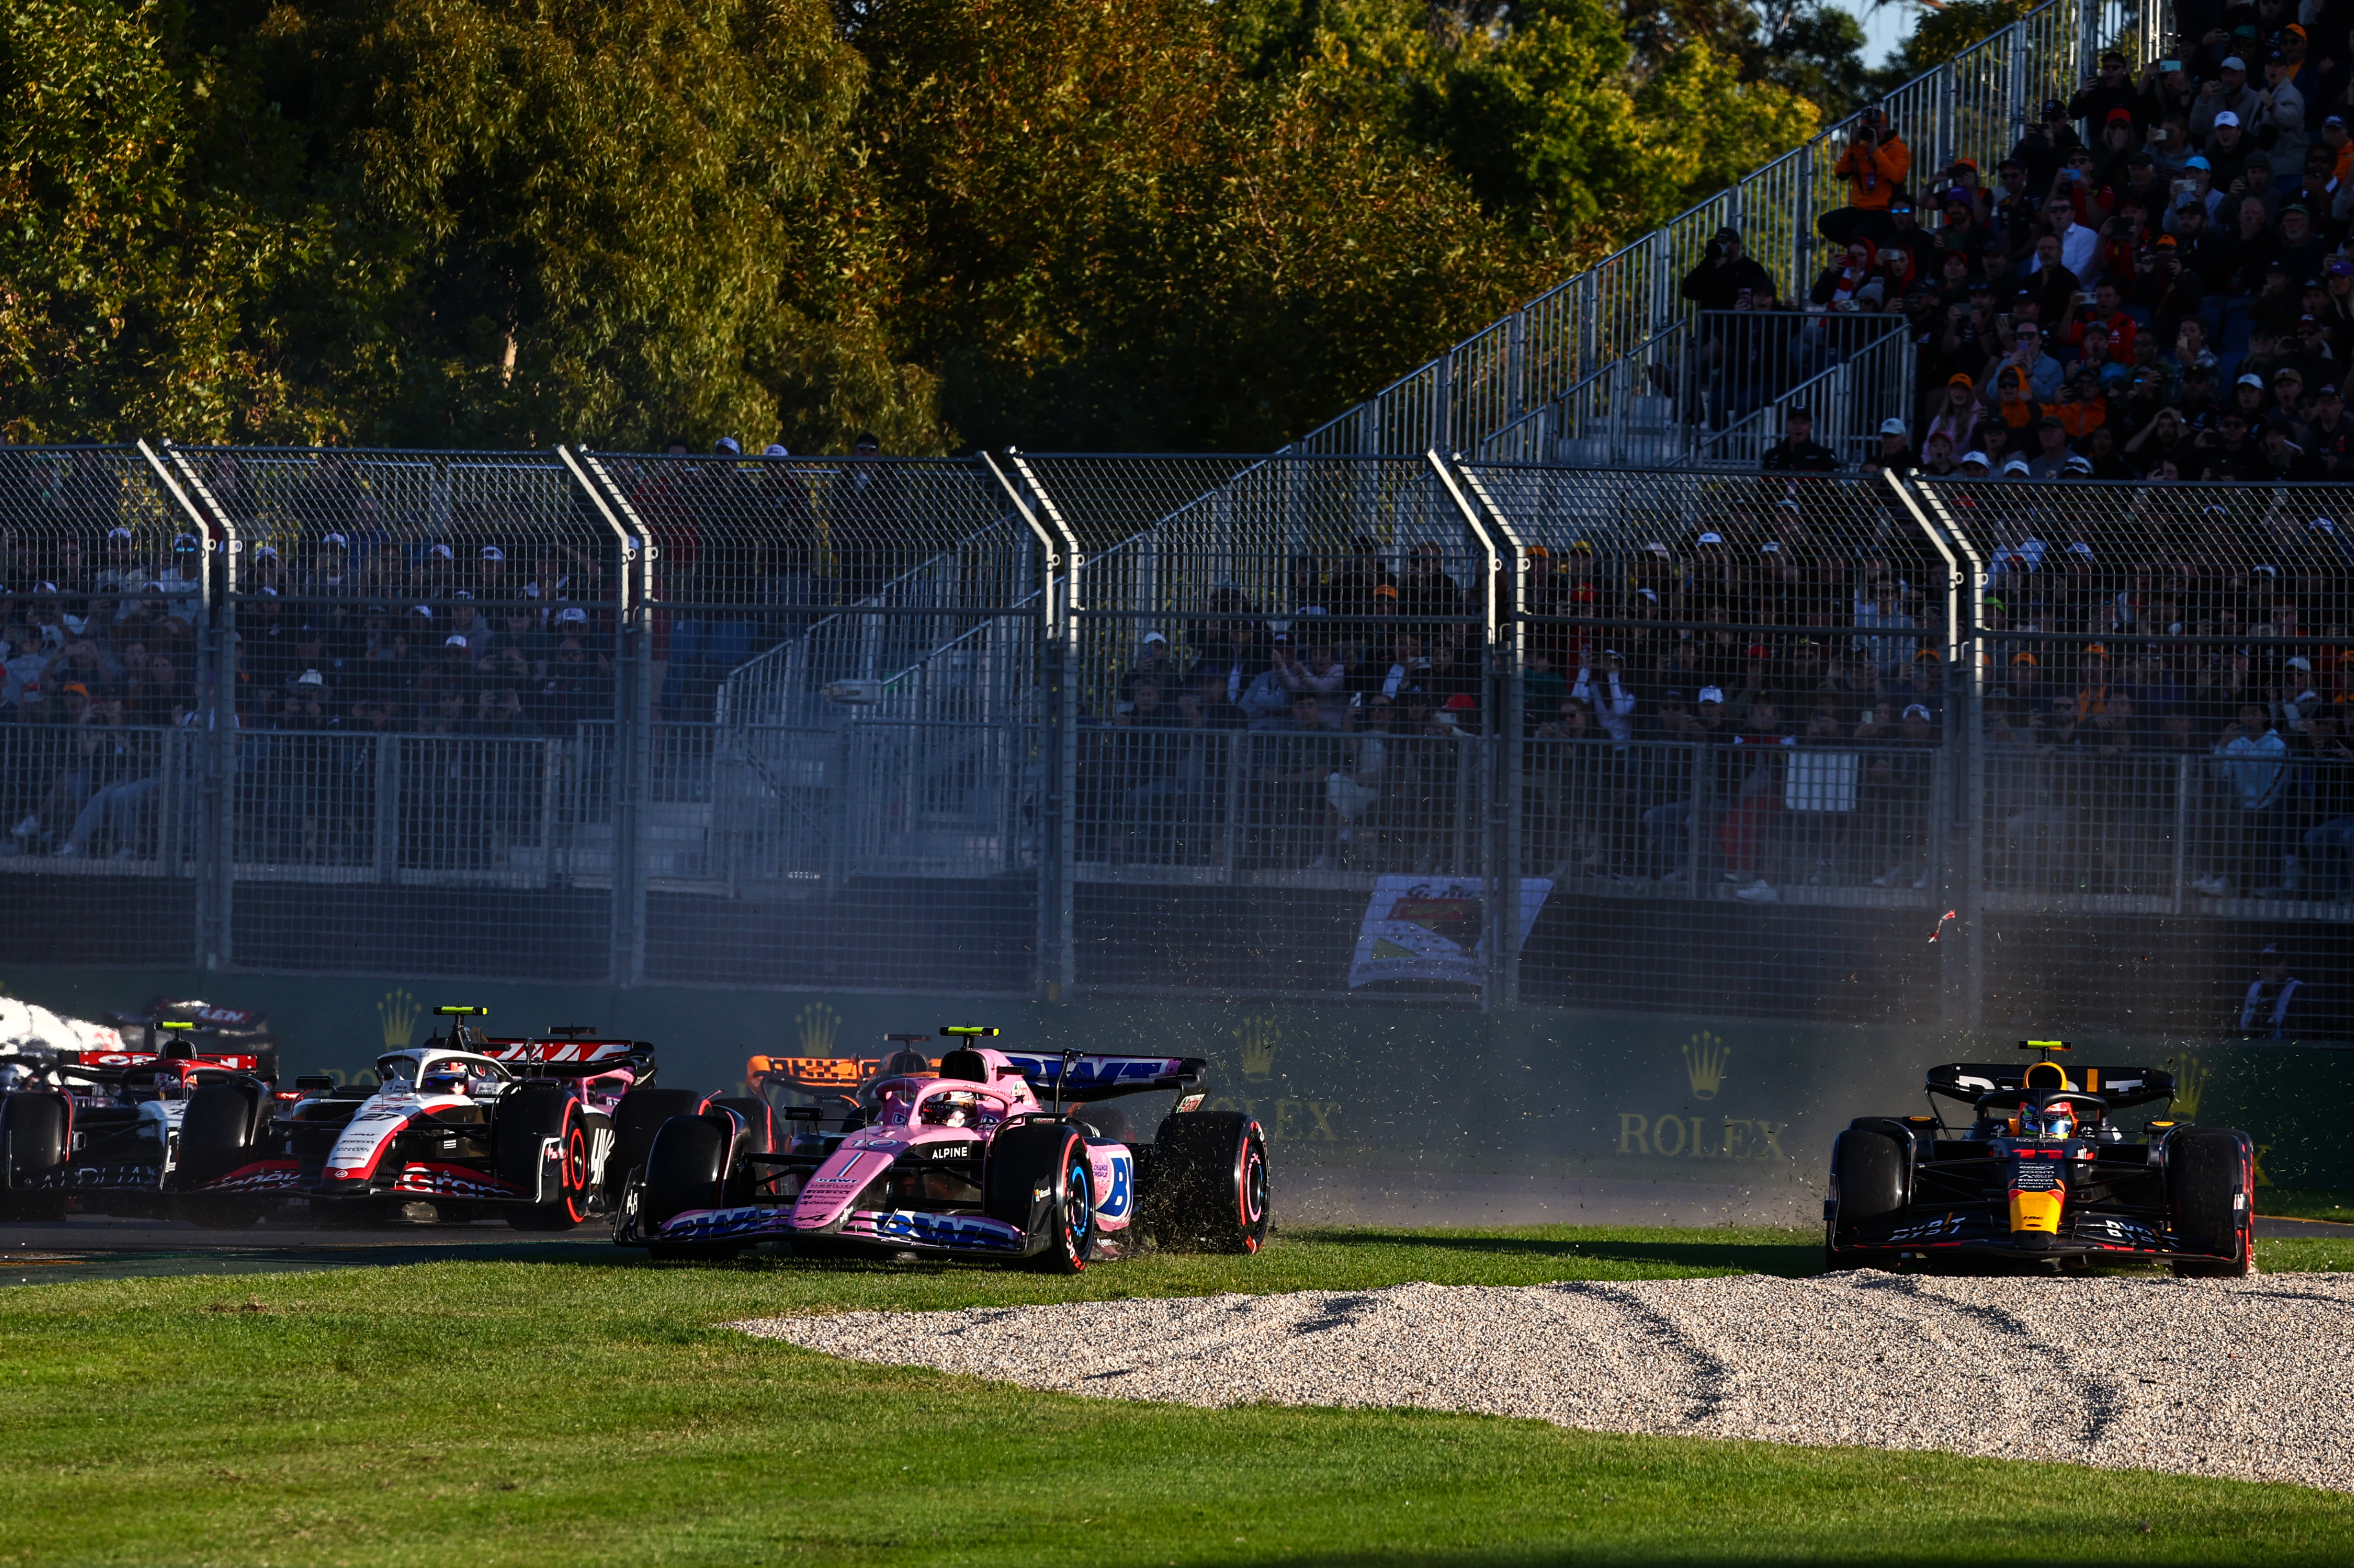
(1188, 223)
(1947, 30)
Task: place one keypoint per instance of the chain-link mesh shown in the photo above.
(426, 652)
(106, 758)
(1731, 699)
(2165, 677)
(844, 779)
(1278, 697)
(2103, 725)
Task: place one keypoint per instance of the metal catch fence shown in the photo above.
(1430, 733)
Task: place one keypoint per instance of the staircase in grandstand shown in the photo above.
(1598, 370)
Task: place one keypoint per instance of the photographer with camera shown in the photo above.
(1724, 270)
(1874, 167)
(2102, 95)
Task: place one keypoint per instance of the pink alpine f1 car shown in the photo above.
(957, 1160)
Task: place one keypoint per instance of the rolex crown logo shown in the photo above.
(397, 1012)
(1704, 1059)
(2189, 1083)
(817, 1029)
(1259, 1037)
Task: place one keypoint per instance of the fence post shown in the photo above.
(1061, 963)
(633, 699)
(216, 833)
(1964, 963)
(1499, 839)
(1053, 958)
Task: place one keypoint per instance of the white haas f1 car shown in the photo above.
(530, 1130)
(2043, 1176)
(959, 1160)
(114, 1129)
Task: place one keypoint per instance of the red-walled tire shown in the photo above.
(1208, 1185)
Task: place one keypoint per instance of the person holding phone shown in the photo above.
(2100, 97)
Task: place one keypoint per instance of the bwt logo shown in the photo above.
(1704, 1059)
(947, 1230)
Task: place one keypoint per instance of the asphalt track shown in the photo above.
(90, 1246)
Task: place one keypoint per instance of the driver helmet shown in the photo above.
(2059, 1120)
(443, 1078)
(957, 1107)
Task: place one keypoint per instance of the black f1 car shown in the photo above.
(149, 1128)
(2044, 1175)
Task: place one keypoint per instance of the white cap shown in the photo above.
(454, 640)
(443, 551)
(1769, 545)
(424, 609)
(774, 449)
(1656, 547)
(2014, 465)
(2079, 463)
(2325, 524)
(1156, 637)
(118, 533)
(2231, 62)
(337, 540)
(1892, 427)
(310, 678)
(575, 616)
(1912, 708)
(1710, 695)
(2251, 379)
(269, 550)
(492, 553)
(2306, 664)
(1978, 458)
(1710, 539)
(2227, 117)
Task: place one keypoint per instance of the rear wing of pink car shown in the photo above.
(1084, 1077)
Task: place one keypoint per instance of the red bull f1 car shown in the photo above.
(2045, 1174)
(469, 1126)
(139, 1127)
(958, 1156)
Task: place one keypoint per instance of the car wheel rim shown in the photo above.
(1077, 1217)
(1254, 1188)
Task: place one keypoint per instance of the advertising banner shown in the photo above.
(1430, 928)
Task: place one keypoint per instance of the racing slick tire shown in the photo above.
(1207, 1183)
(33, 1132)
(216, 1138)
(1867, 1182)
(2211, 1197)
(686, 1168)
(529, 1116)
(1041, 1179)
(635, 1121)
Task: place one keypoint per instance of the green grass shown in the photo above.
(2289, 1204)
(498, 1413)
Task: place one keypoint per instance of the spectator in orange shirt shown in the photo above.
(1874, 167)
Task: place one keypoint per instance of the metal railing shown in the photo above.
(1721, 730)
(1561, 341)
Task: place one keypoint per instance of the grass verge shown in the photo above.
(496, 1413)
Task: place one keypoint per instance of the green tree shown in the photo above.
(128, 280)
(601, 219)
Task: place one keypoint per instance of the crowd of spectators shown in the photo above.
(1758, 701)
(2156, 283)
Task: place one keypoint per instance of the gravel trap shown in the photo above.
(2239, 1378)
